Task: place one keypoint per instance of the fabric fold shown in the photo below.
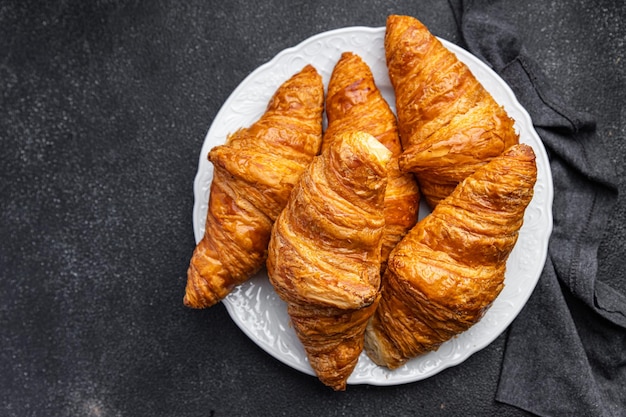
(566, 351)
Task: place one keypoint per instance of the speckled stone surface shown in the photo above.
(103, 110)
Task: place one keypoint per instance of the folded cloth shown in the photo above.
(566, 351)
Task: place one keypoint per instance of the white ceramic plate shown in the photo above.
(255, 307)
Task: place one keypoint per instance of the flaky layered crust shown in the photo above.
(449, 124)
(324, 252)
(354, 103)
(254, 173)
(447, 271)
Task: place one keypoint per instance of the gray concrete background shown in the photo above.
(103, 110)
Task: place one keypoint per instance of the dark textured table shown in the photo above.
(104, 106)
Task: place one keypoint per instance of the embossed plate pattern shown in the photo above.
(255, 307)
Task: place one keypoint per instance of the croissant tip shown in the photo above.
(197, 300)
(199, 304)
(347, 54)
(336, 383)
(188, 303)
(308, 68)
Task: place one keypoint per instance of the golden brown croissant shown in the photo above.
(449, 124)
(324, 252)
(254, 173)
(354, 103)
(447, 271)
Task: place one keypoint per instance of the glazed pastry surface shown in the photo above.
(254, 173)
(324, 252)
(354, 103)
(445, 274)
(449, 124)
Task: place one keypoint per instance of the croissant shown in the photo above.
(324, 253)
(254, 173)
(446, 272)
(449, 124)
(354, 103)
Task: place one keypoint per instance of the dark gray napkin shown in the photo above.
(566, 351)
